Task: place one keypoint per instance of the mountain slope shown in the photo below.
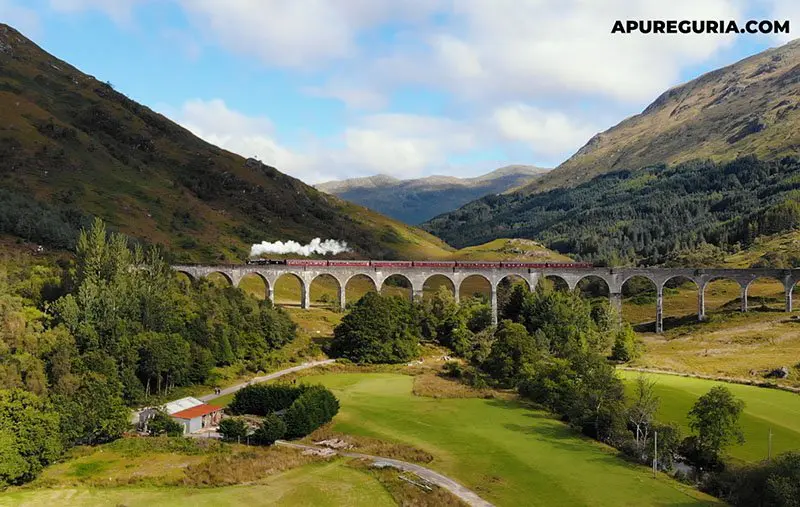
(642, 216)
(414, 201)
(749, 108)
(72, 146)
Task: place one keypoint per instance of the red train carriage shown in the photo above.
(391, 264)
(528, 265)
(478, 265)
(434, 264)
(306, 262)
(348, 263)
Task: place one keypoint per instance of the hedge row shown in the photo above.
(306, 409)
(263, 399)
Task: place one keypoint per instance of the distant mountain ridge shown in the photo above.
(416, 200)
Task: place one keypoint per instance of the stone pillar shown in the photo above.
(615, 298)
(494, 305)
(701, 303)
(456, 294)
(342, 297)
(533, 280)
(271, 294)
(789, 298)
(305, 295)
(659, 309)
(744, 298)
(416, 295)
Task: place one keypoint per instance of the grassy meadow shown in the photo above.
(318, 484)
(508, 453)
(764, 409)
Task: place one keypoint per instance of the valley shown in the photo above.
(627, 333)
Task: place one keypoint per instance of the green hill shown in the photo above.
(71, 146)
(651, 215)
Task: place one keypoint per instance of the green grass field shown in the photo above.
(509, 454)
(764, 409)
(323, 484)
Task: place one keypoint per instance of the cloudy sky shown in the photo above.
(330, 89)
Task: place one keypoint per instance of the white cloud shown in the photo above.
(522, 49)
(547, 132)
(352, 95)
(299, 33)
(121, 11)
(248, 136)
(402, 145)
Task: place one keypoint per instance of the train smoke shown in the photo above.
(316, 246)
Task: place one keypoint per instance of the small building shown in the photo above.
(141, 418)
(181, 404)
(198, 417)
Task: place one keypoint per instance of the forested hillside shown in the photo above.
(82, 342)
(643, 216)
(417, 200)
(72, 147)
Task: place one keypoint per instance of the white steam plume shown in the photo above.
(316, 246)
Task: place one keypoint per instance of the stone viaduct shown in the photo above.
(613, 277)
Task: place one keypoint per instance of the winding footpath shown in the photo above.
(265, 378)
(467, 495)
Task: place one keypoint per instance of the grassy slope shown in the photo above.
(322, 484)
(780, 244)
(510, 454)
(728, 343)
(509, 249)
(72, 140)
(764, 409)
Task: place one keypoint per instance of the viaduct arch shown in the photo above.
(613, 277)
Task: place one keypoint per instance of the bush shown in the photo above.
(625, 345)
(271, 429)
(233, 429)
(263, 399)
(775, 483)
(163, 424)
(315, 407)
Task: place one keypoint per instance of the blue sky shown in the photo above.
(330, 89)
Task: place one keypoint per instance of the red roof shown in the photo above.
(191, 413)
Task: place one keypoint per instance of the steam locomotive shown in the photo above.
(420, 264)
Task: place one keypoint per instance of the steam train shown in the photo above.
(420, 264)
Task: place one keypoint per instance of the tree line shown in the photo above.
(82, 342)
(648, 215)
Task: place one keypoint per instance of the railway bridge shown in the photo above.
(614, 278)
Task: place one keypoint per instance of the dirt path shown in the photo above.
(440, 480)
(271, 376)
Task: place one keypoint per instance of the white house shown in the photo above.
(198, 417)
